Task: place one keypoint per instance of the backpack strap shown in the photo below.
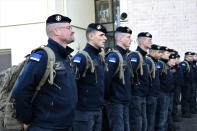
(49, 72)
(102, 56)
(139, 67)
(120, 64)
(89, 63)
(164, 69)
(188, 67)
(152, 71)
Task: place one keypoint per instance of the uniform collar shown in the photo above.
(164, 60)
(141, 51)
(120, 49)
(155, 60)
(64, 52)
(90, 48)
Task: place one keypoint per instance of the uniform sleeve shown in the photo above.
(80, 62)
(26, 84)
(183, 66)
(180, 79)
(112, 61)
(134, 61)
(149, 63)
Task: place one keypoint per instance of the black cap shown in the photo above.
(144, 34)
(57, 18)
(172, 56)
(155, 47)
(98, 27)
(193, 53)
(171, 50)
(164, 48)
(124, 29)
(188, 53)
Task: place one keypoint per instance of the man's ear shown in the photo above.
(56, 31)
(91, 36)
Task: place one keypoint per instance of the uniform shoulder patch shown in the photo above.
(183, 64)
(133, 59)
(112, 59)
(158, 66)
(35, 57)
(77, 59)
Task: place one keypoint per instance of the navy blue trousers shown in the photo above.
(88, 121)
(118, 116)
(151, 106)
(137, 114)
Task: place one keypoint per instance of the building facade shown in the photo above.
(172, 23)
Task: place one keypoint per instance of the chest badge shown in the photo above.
(59, 65)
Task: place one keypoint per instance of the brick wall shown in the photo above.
(172, 23)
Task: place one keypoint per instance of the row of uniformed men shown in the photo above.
(133, 87)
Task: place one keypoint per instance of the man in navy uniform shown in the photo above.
(88, 115)
(186, 66)
(151, 100)
(117, 85)
(53, 107)
(163, 98)
(195, 79)
(177, 91)
(140, 83)
(172, 75)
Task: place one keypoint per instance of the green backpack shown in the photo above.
(89, 64)
(120, 68)
(8, 79)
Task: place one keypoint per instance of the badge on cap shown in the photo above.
(112, 59)
(35, 57)
(166, 48)
(58, 18)
(147, 34)
(98, 27)
(128, 30)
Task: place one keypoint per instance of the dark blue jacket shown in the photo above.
(90, 90)
(141, 84)
(187, 75)
(178, 77)
(194, 72)
(165, 78)
(115, 90)
(171, 75)
(155, 82)
(53, 108)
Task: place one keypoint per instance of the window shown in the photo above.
(106, 13)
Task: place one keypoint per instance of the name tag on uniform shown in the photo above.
(112, 59)
(59, 65)
(183, 64)
(77, 59)
(35, 57)
(133, 59)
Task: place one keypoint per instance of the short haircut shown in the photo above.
(118, 34)
(140, 40)
(88, 31)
